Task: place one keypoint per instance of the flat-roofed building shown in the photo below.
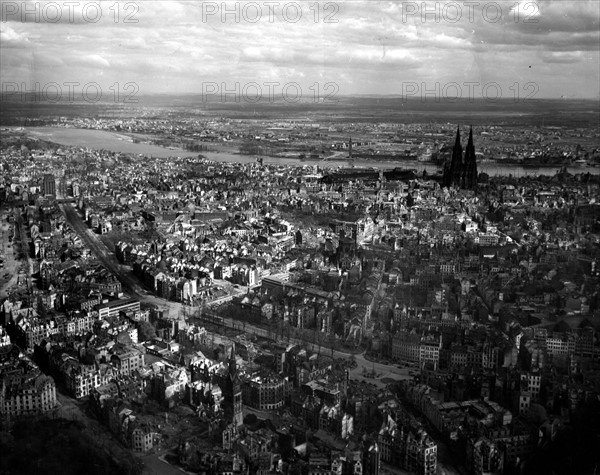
(112, 309)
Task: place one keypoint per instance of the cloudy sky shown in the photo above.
(547, 48)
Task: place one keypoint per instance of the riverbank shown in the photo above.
(114, 142)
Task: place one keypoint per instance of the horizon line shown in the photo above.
(448, 99)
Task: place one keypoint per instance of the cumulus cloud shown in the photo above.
(9, 38)
(366, 46)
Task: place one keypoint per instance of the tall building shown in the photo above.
(469, 169)
(26, 395)
(371, 458)
(234, 391)
(407, 446)
(49, 185)
(461, 172)
(421, 453)
(24, 390)
(456, 163)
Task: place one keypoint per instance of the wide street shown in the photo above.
(104, 255)
(10, 268)
(17, 267)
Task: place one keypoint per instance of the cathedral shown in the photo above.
(461, 172)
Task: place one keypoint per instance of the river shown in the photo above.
(119, 142)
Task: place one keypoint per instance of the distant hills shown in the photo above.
(393, 109)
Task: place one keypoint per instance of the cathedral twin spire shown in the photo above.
(461, 172)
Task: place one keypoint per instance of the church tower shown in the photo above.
(459, 172)
(235, 389)
(470, 165)
(457, 160)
